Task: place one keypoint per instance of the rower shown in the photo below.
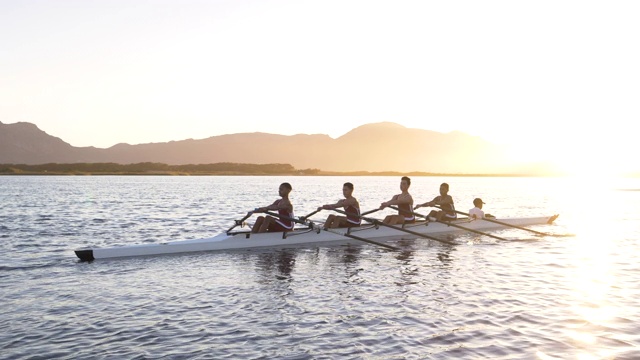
(404, 202)
(285, 209)
(445, 202)
(351, 208)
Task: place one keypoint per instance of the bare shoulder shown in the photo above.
(350, 202)
(286, 204)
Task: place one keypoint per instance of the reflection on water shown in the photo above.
(592, 281)
(279, 263)
(351, 254)
(445, 256)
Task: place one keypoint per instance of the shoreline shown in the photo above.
(219, 169)
(258, 174)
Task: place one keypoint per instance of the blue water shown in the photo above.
(528, 298)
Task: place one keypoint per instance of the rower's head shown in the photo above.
(405, 182)
(347, 189)
(284, 189)
(478, 203)
(444, 188)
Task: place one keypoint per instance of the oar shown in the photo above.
(303, 218)
(362, 239)
(378, 222)
(370, 212)
(514, 226)
(312, 225)
(364, 213)
(459, 227)
(239, 222)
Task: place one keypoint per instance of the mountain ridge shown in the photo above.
(384, 146)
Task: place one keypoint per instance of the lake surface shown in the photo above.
(530, 298)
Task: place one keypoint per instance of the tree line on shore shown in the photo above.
(149, 168)
(223, 168)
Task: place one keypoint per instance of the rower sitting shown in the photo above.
(404, 201)
(285, 209)
(351, 208)
(445, 202)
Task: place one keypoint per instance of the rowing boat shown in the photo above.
(300, 236)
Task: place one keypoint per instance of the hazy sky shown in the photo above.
(558, 78)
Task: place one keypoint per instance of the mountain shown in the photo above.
(373, 147)
(25, 143)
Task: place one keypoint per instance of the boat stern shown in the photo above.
(85, 254)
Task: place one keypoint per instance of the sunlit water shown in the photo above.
(541, 298)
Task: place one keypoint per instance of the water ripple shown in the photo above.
(530, 298)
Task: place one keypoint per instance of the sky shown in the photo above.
(551, 79)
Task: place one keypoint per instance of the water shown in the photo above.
(541, 298)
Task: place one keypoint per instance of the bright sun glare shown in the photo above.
(582, 153)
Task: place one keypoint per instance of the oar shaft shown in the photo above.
(335, 232)
(462, 227)
(503, 223)
(363, 239)
(473, 230)
(378, 222)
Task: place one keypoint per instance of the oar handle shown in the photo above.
(414, 213)
(459, 212)
(336, 209)
(239, 222)
(287, 218)
(310, 215)
(361, 216)
(370, 212)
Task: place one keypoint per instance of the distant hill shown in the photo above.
(373, 147)
(25, 143)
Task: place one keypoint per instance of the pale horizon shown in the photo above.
(550, 79)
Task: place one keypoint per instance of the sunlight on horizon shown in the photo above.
(585, 154)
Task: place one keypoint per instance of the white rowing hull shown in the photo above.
(244, 240)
